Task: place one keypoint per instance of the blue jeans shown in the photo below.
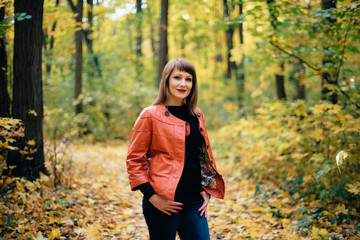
(187, 222)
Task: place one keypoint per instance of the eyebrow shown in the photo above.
(181, 73)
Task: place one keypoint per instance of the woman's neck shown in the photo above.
(173, 102)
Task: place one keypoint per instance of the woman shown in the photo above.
(170, 159)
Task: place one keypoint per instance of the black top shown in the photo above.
(190, 181)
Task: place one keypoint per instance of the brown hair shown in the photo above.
(164, 92)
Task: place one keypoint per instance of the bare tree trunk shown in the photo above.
(47, 52)
(279, 76)
(78, 56)
(280, 86)
(231, 66)
(89, 31)
(163, 46)
(330, 75)
(138, 39)
(27, 90)
(139, 32)
(4, 94)
(297, 76)
(153, 43)
(240, 69)
(88, 42)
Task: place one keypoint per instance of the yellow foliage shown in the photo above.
(354, 188)
(319, 234)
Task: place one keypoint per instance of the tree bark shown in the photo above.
(240, 69)
(139, 32)
(280, 86)
(78, 57)
(139, 16)
(27, 90)
(88, 42)
(4, 94)
(163, 45)
(330, 75)
(231, 66)
(297, 76)
(89, 31)
(279, 76)
(47, 52)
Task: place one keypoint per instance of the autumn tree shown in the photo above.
(4, 94)
(78, 57)
(139, 17)
(240, 68)
(49, 41)
(231, 65)
(163, 46)
(27, 102)
(329, 75)
(279, 75)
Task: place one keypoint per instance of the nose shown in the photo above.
(182, 83)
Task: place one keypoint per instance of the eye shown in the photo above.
(189, 79)
(177, 77)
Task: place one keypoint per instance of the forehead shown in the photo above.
(177, 71)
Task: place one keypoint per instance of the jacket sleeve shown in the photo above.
(136, 161)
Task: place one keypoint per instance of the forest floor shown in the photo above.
(97, 203)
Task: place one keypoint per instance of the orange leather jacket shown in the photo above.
(157, 153)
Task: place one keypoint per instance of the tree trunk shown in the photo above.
(138, 39)
(329, 77)
(153, 42)
(27, 90)
(89, 31)
(4, 94)
(231, 66)
(163, 46)
(88, 42)
(240, 69)
(280, 86)
(47, 52)
(279, 76)
(78, 57)
(139, 32)
(297, 76)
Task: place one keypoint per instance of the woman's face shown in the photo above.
(180, 84)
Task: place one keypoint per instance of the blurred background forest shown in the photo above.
(278, 83)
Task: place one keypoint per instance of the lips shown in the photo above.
(180, 90)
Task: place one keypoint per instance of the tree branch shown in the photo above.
(317, 69)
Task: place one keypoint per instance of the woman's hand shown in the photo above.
(165, 206)
(203, 208)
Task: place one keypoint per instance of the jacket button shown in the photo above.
(201, 129)
(207, 146)
(167, 113)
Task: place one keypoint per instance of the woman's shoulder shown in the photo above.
(198, 112)
(151, 110)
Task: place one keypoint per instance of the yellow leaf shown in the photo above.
(319, 134)
(319, 234)
(31, 142)
(54, 233)
(341, 208)
(354, 188)
(39, 236)
(20, 186)
(31, 186)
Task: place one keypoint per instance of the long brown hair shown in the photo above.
(164, 92)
